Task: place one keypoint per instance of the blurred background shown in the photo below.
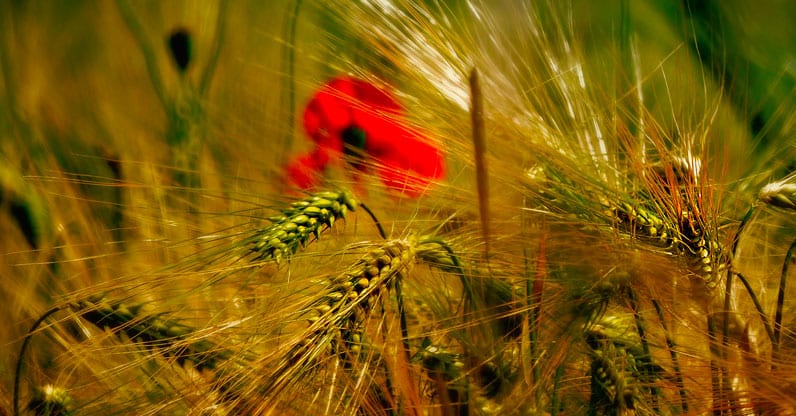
(128, 126)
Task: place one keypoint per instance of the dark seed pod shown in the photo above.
(179, 43)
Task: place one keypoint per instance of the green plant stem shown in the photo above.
(402, 316)
(535, 291)
(146, 49)
(758, 306)
(22, 349)
(375, 220)
(783, 280)
(725, 333)
(725, 337)
(218, 42)
(554, 404)
(290, 62)
(715, 370)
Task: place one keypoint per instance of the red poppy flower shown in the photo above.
(354, 120)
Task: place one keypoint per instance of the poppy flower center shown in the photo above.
(354, 144)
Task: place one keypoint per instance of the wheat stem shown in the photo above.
(554, 399)
(728, 287)
(376, 221)
(783, 280)
(290, 61)
(218, 42)
(535, 292)
(715, 370)
(23, 349)
(481, 174)
(149, 55)
(725, 336)
(758, 306)
(402, 316)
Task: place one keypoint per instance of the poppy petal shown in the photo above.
(404, 159)
(376, 99)
(408, 148)
(329, 112)
(407, 161)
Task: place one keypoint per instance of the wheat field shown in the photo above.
(518, 208)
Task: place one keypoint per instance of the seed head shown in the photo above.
(781, 194)
(166, 336)
(303, 219)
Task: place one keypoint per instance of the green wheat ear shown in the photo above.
(622, 374)
(446, 372)
(168, 337)
(303, 219)
(129, 321)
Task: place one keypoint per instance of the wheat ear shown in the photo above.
(351, 292)
(166, 336)
(620, 366)
(780, 194)
(303, 219)
(337, 316)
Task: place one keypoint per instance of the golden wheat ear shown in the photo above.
(338, 316)
(621, 374)
(352, 294)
